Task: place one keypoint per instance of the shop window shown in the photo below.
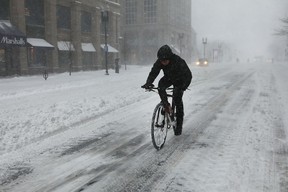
(63, 17)
(64, 58)
(36, 57)
(87, 59)
(86, 21)
(2, 60)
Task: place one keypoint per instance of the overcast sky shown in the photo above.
(249, 24)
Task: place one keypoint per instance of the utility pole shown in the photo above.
(104, 15)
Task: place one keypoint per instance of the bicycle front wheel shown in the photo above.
(159, 127)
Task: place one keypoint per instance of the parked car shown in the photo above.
(202, 62)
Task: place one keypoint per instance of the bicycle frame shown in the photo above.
(172, 117)
(171, 95)
(162, 122)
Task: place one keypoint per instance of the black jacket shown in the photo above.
(177, 71)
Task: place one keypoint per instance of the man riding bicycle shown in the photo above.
(176, 73)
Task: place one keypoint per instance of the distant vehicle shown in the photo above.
(202, 62)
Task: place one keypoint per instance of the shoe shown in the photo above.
(178, 131)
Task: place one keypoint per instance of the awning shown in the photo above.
(110, 48)
(65, 46)
(10, 35)
(41, 43)
(88, 47)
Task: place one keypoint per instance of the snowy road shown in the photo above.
(91, 132)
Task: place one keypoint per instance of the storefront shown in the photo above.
(11, 39)
(65, 52)
(38, 51)
(88, 56)
(112, 55)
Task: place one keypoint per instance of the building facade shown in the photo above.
(58, 35)
(148, 24)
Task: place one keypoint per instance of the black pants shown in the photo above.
(163, 84)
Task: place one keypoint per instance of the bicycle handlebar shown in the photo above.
(152, 88)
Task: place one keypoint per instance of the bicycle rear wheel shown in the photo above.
(159, 127)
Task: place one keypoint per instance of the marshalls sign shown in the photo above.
(10, 35)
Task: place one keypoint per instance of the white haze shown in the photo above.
(246, 24)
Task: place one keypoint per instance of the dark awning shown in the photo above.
(10, 35)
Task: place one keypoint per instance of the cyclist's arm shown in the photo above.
(153, 73)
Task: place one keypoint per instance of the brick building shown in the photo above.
(57, 35)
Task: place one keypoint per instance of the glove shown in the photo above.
(147, 86)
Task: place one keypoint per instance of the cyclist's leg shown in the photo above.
(178, 94)
(163, 84)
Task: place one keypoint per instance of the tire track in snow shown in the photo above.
(280, 148)
(212, 154)
(151, 168)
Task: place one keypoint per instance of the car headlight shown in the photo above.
(197, 63)
(205, 62)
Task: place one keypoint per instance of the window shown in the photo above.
(64, 59)
(87, 59)
(34, 15)
(179, 13)
(34, 11)
(131, 11)
(36, 57)
(150, 8)
(4, 10)
(86, 21)
(63, 17)
(2, 60)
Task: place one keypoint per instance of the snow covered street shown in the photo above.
(91, 132)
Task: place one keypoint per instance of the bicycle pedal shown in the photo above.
(160, 126)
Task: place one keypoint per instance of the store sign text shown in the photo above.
(6, 40)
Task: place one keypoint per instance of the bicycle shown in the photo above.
(162, 121)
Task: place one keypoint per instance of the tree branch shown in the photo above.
(284, 30)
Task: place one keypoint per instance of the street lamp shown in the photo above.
(204, 41)
(104, 17)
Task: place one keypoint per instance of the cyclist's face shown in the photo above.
(165, 62)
